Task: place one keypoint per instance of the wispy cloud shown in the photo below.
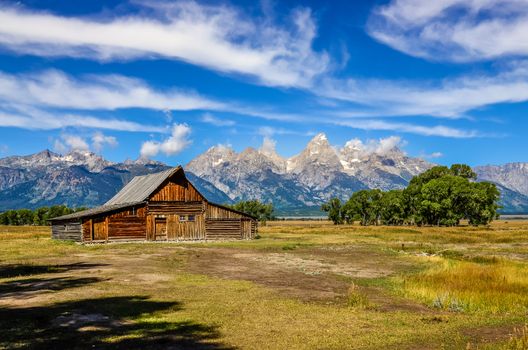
(450, 98)
(437, 130)
(433, 155)
(53, 88)
(218, 37)
(68, 142)
(269, 131)
(44, 100)
(380, 146)
(34, 119)
(456, 30)
(213, 120)
(100, 140)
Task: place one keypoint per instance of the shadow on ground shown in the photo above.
(104, 323)
(29, 287)
(33, 284)
(21, 270)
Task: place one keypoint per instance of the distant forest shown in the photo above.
(38, 216)
(440, 196)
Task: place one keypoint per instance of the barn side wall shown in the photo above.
(128, 224)
(67, 230)
(180, 220)
(125, 224)
(222, 223)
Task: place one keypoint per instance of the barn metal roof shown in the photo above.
(141, 187)
(97, 210)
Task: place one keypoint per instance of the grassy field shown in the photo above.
(302, 285)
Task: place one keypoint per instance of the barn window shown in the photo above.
(134, 211)
(182, 218)
(191, 218)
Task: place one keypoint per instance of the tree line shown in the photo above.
(38, 217)
(440, 196)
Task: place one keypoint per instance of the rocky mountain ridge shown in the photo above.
(308, 179)
(296, 185)
(79, 178)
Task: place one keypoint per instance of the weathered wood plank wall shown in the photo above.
(223, 228)
(172, 207)
(87, 230)
(67, 230)
(185, 230)
(213, 211)
(176, 189)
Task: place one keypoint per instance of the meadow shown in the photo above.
(301, 285)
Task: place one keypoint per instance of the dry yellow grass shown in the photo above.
(142, 295)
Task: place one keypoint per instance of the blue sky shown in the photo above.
(168, 79)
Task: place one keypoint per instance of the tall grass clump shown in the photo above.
(464, 286)
(357, 299)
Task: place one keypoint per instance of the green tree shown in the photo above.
(393, 208)
(463, 170)
(263, 212)
(443, 200)
(365, 205)
(438, 196)
(482, 207)
(334, 210)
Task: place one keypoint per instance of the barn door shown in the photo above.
(99, 232)
(160, 229)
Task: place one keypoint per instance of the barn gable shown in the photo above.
(176, 188)
(161, 206)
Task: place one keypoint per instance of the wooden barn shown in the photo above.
(159, 207)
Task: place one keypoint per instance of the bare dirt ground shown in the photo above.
(315, 274)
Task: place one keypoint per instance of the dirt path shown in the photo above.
(317, 274)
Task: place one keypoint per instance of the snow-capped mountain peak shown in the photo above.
(90, 160)
(320, 171)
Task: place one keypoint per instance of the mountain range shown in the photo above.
(296, 185)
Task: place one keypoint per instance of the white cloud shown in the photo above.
(218, 37)
(436, 130)
(35, 119)
(23, 99)
(211, 119)
(53, 88)
(450, 98)
(69, 142)
(433, 155)
(177, 142)
(457, 30)
(59, 146)
(149, 149)
(381, 146)
(99, 140)
(268, 146)
(387, 144)
(269, 131)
